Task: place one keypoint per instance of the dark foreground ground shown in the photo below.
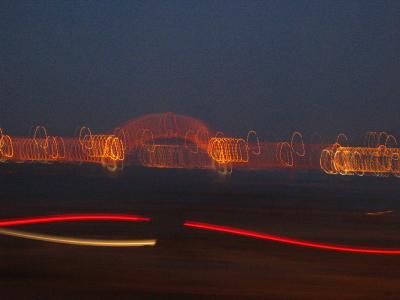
(193, 264)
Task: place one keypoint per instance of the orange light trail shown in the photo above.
(77, 241)
(290, 241)
(72, 240)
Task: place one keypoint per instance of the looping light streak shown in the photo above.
(101, 145)
(169, 140)
(284, 154)
(378, 160)
(297, 144)
(6, 146)
(290, 241)
(72, 240)
(374, 139)
(107, 150)
(229, 150)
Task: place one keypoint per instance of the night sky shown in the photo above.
(273, 66)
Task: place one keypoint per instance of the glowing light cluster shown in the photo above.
(164, 126)
(361, 160)
(172, 149)
(41, 147)
(378, 157)
(228, 150)
(173, 156)
(101, 146)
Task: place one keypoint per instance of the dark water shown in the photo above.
(192, 264)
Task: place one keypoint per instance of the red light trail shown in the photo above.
(290, 241)
(76, 218)
(192, 224)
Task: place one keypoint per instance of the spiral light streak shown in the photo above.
(34, 149)
(379, 161)
(60, 149)
(164, 140)
(107, 150)
(253, 154)
(72, 240)
(101, 146)
(290, 241)
(228, 150)
(169, 140)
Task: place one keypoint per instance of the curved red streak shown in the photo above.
(285, 240)
(66, 218)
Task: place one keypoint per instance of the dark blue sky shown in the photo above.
(273, 66)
